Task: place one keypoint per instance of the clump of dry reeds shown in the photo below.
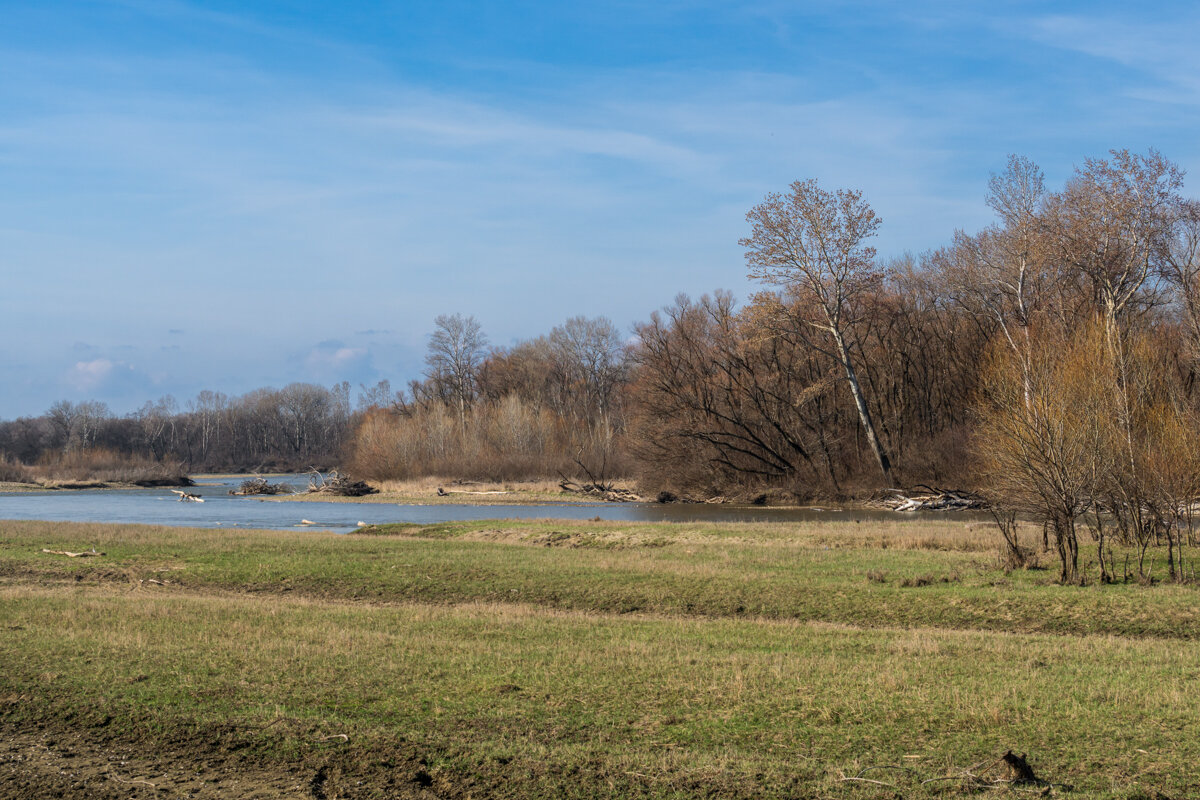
(99, 465)
(509, 440)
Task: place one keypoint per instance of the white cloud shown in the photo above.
(329, 362)
(88, 376)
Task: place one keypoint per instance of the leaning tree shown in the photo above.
(811, 242)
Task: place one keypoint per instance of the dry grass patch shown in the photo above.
(933, 534)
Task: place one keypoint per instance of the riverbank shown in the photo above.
(435, 491)
(20, 486)
(442, 491)
(85, 485)
(578, 659)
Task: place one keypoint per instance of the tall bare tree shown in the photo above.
(592, 356)
(1004, 273)
(456, 351)
(1113, 223)
(812, 243)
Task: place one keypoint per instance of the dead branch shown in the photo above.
(868, 780)
(118, 779)
(69, 554)
(592, 479)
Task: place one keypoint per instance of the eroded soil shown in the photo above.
(55, 761)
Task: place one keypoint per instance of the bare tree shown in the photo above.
(527, 370)
(76, 424)
(811, 242)
(380, 396)
(157, 421)
(591, 354)
(62, 416)
(1113, 223)
(208, 411)
(303, 409)
(456, 351)
(1181, 267)
(721, 404)
(1003, 273)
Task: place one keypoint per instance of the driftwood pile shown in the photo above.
(260, 485)
(336, 484)
(598, 485)
(601, 491)
(926, 498)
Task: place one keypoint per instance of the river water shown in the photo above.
(222, 510)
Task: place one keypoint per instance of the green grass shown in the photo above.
(600, 659)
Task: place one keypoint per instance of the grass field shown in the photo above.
(559, 659)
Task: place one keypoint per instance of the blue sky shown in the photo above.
(227, 195)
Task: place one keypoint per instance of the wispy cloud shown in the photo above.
(1162, 55)
(256, 177)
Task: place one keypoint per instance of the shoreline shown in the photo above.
(443, 492)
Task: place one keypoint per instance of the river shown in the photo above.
(222, 510)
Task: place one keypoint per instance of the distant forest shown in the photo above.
(844, 374)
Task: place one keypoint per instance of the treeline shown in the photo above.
(844, 375)
(298, 426)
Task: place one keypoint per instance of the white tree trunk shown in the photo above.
(860, 403)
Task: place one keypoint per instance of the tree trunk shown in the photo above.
(1068, 550)
(860, 404)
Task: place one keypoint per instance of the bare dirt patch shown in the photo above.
(54, 760)
(67, 763)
